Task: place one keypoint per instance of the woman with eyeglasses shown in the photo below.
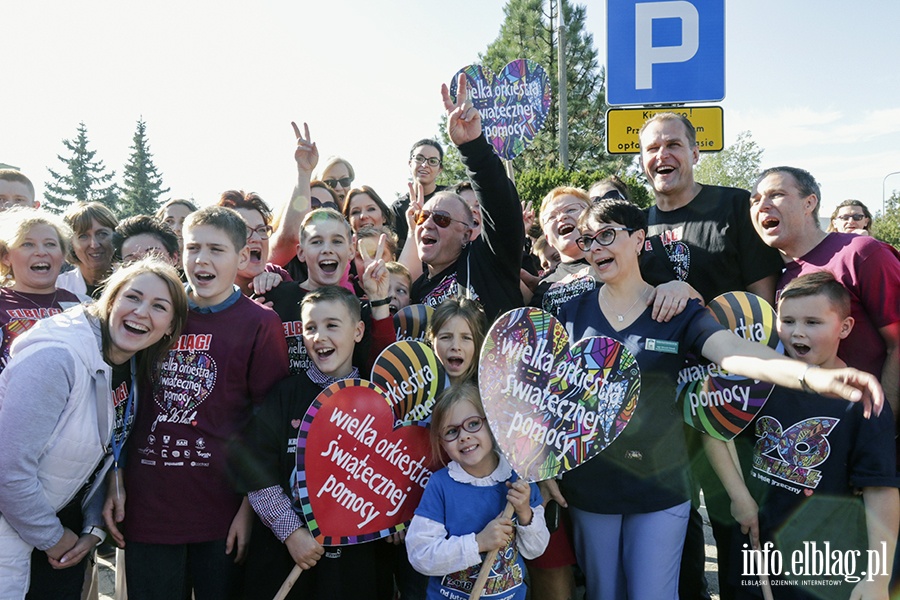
(259, 275)
(629, 505)
(338, 174)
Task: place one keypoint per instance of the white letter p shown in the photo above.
(645, 54)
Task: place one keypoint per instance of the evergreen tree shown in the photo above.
(142, 182)
(85, 179)
(528, 31)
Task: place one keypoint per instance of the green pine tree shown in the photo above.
(142, 182)
(530, 31)
(84, 180)
(886, 227)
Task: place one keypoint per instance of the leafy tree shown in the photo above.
(735, 166)
(533, 184)
(85, 179)
(143, 183)
(886, 227)
(528, 31)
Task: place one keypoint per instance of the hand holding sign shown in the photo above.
(513, 105)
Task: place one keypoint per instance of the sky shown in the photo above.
(218, 84)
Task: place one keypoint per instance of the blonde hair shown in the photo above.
(16, 224)
(563, 190)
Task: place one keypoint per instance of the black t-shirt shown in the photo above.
(710, 243)
(568, 281)
(804, 460)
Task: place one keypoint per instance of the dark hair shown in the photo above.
(465, 391)
(318, 183)
(618, 211)
(226, 220)
(806, 184)
(82, 215)
(152, 356)
(689, 129)
(851, 202)
(427, 142)
(616, 182)
(462, 186)
(470, 312)
(815, 284)
(334, 293)
(142, 224)
(386, 213)
(17, 176)
(161, 211)
(240, 199)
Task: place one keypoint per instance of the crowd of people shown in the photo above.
(154, 372)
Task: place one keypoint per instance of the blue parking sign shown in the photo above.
(665, 52)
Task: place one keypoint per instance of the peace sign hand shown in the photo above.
(416, 202)
(376, 280)
(463, 119)
(306, 155)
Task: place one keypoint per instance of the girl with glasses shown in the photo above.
(457, 519)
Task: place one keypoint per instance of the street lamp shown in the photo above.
(884, 192)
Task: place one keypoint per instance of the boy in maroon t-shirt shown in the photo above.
(186, 525)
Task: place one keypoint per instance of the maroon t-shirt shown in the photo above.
(19, 311)
(871, 274)
(176, 476)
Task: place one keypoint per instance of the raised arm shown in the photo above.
(758, 361)
(283, 246)
(501, 210)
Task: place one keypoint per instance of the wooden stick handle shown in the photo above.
(489, 558)
(289, 582)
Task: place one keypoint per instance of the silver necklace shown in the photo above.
(621, 317)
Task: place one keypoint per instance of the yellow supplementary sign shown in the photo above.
(623, 125)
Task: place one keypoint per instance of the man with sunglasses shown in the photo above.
(426, 158)
(699, 234)
(486, 268)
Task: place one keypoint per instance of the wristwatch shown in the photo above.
(96, 531)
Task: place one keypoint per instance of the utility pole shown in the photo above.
(563, 108)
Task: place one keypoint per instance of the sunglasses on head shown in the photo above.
(610, 195)
(316, 203)
(343, 181)
(441, 218)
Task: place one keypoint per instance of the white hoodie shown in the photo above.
(56, 420)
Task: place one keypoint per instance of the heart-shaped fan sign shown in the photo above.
(363, 462)
(411, 377)
(514, 104)
(552, 407)
(715, 401)
(411, 322)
